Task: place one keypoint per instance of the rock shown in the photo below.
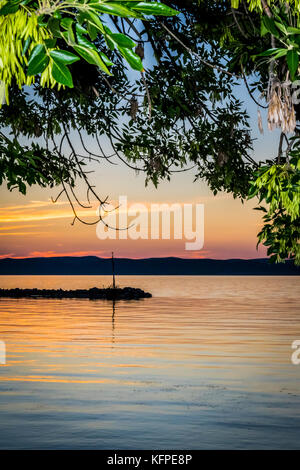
(126, 293)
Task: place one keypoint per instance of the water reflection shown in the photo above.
(113, 321)
(205, 363)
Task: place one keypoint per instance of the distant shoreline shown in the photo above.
(94, 266)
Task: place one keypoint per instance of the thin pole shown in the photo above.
(113, 270)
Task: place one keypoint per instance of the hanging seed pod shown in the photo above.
(156, 164)
(134, 107)
(198, 111)
(292, 120)
(154, 161)
(140, 51)
(259, 121)
(38, 131)
(222, 158)
(281, 112)
(275, 111)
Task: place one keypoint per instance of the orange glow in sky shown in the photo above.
(32, 226)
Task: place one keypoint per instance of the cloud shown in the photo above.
(7, 255)
(24, 234)
(13, 227)
(21, 217)
(51, 254)
(33, 204)
(43, 211)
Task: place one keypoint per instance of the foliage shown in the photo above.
(279, 187)
(22, 165)
(45, 37)
(260, 5)
(195, 117)
(182, 112)
(277, 183)
(286, 30)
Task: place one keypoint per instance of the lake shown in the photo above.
(204, 364)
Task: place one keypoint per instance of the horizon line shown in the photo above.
(131, 259)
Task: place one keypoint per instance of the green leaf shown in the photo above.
(54, 26)
(92, 57)
(122, 40)
(80, 29)
(22, 187)
(65, 57)
(109, 42)
(61, 73)
(93, 32)
(38, 60)
(66, 23)
(270, 26)
(292, 58)
(94, 20)
(9, 7)
(50, 43)
(154, 8)
(292, 30)
(263, 29)
(57, 14)
(261, 208)
(281, 53)
(269, 52)
(84, 42)
(133, 59)
(114, 9)
(105, 59)
(281, 27)
(41, 21)
(26, 45)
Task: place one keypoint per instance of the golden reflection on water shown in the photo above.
(196, 333)
(212, 322)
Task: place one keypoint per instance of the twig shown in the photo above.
(249, 91)
(148, 96)
(190, 51)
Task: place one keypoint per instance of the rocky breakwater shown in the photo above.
(118, 293)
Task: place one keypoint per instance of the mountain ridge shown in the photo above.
(93, 265)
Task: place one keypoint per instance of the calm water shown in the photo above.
(204, 364)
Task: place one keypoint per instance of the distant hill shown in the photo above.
(92, 265)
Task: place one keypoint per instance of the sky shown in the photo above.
(33, 226)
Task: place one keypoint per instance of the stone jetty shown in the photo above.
(125, 293)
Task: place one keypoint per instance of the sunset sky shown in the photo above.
(32, 225)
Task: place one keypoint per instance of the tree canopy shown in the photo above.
(181, 111)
